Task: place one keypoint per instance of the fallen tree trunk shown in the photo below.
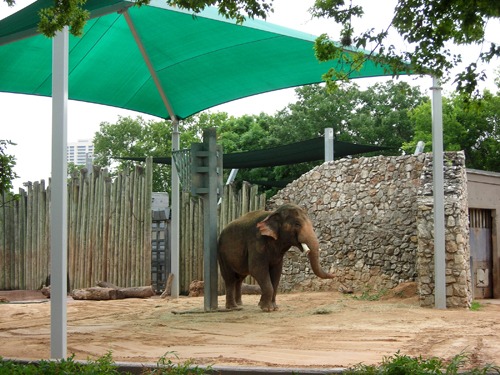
(131, 292)
(108, 291)
(168, 286)
(97, 293)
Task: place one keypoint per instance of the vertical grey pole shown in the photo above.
(328, 144)
(210, 224)
(59, 197)
(175, 225)
(438, 188)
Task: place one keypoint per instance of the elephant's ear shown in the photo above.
(268, 227)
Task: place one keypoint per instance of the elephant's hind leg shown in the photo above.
(231, 282)
(237, 294)
(230, 294)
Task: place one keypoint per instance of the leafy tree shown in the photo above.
(139, 138)
(248, 133)
(375, 116)
(72, 13)
(130, 137)
(7, 163)
(472, 126)
(7, 173)
(430, 28)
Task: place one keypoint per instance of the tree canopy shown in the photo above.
(431, 30)
(471, 126)
(7, 173)
(140, 138)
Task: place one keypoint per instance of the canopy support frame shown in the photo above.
(149, 64)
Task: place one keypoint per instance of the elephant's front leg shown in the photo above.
(267, 291)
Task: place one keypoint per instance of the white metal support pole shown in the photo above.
(59, 197)
(438, 189)
(175, 224)
(329, 144)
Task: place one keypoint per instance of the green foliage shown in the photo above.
(64, 13)
(431, 30)
(139, 138)
(399, 364)
(472, 126)
(396, 364)
(322, 311)
(475, 306)
(72, 13)
(369, 295)
(7, 173)
(7, 164)
(102, 366)
(236, 9)
(375, 116)
(166, 366)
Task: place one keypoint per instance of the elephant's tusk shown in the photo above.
(306, 248)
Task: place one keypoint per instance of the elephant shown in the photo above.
(255, 245)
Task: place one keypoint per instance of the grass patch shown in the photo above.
(475, 306)
(322, 311)
(405, 365)
(102, 366)
(369, 295)
(396, 364)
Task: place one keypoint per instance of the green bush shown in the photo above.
(102, 366)
(393, 365)
(404, 365)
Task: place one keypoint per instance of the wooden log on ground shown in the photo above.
(46, 291)
(97, 294)
(131, 292)
(196, 288)
(168, 286)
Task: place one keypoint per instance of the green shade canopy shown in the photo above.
(160, 60)
(294, 153)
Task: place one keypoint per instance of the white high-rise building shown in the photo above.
(77, 152)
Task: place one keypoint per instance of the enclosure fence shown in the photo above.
(109, 231)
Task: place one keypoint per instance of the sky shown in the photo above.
(27, 120)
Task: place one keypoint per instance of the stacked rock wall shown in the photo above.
(369, 215)
(458, 273)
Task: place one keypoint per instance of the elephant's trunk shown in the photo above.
(313, 255)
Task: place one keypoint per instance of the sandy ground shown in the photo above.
(314, 329)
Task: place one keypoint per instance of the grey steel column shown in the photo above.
(175, 219)
(438, 189)
(329, 144)
(59, 197)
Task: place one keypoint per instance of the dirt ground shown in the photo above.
(313, 329)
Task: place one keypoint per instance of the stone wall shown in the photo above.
(372, 220)
(458, 275)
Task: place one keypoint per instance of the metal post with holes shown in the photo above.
(206, 181)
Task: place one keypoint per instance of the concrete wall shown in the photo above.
(484, 193)
(373, 220)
